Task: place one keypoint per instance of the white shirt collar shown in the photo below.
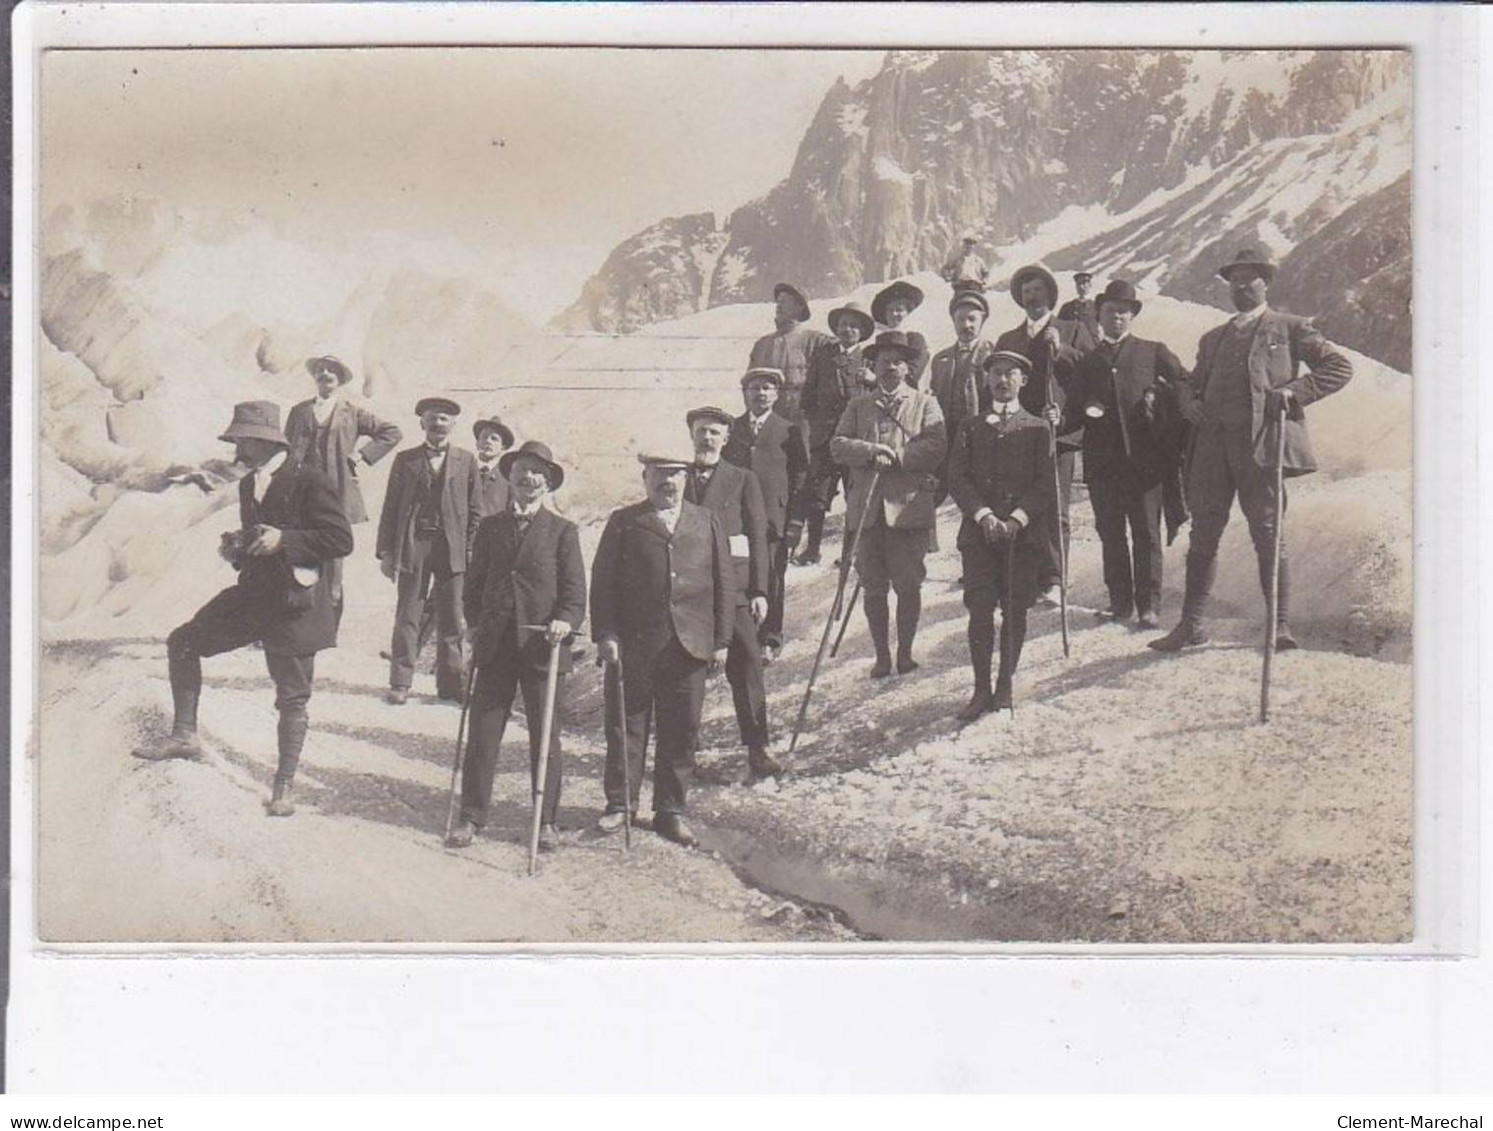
(758, 421)
(525, 512)
(264, 471)
(997, 416)
(1103, 337)
(1035, 328)
(1244, 318)
(322, 407)
(670, 518)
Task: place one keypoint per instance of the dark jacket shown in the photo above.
(1142, 434)
(348, 422)
(836, 376)
(533, 580)
(1081, 310)
(492, 490)
(461, 504)
(959, 387)
(778, 456)
(1005, 471)
(1076, 341)
(734, 497)
(302, 504)
(649, 587)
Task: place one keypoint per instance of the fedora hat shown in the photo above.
(317, 365)
(889, 340)
(1020, 360)
(1249, 257)
(708, 412)
(437, 404)
(797, 295)
(255, 420)
(1119, 291)
(1034, 271)
(496, 425)
(538, 450)
(900, 289)
(969, 296)
(763, 373)
(856, 311)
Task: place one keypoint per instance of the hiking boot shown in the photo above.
(760, 765)
(1284, 641)
(611, 821)
(397, 696)
(280, 804)
(671, 826)
(1187, 634)
(462, 835)
(549, 838)
(905, 663)
(981, 703)
(1146, 619)
(182, 746)
(1002, 700)
(1051, 597)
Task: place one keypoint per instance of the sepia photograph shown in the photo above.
(803, 499)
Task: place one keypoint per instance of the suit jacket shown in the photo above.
(461, 504)
(1142, 433)
(959, 394)
(649, 587)
(492, 490)
(1075, 341)
(302, 504)
(1081, 310)
(834, 380)
(1003, 470)
(734, 497)
(348, 422)
(911, 424)
(778, 456)
(513, 581)
(788, 350)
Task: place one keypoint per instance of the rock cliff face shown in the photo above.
(1165, 157)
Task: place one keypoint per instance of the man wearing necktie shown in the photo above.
(956, 372)
(431, 509)
(493, 439)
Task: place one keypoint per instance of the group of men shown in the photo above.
(692, 578)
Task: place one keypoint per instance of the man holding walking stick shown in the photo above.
(525, 593)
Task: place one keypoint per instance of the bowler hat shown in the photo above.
(437, 404)
(1249, 257)
(969, 296)
(857, 312)
(255, 420)
(763, 373)
(483, 424)
(1120, 292)
(889, 340)
(797, 295)
(537, 450)
(316, 365)
(1020, 359)
(900, 289)
(708, 412)
(665, 459)
(1034, 271)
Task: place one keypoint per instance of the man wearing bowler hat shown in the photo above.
(956, 373)
(663, 601)
(431, 509)
(890, 308)
(526, 570)
(789, 347)
(1133, 434)
(1248, 371)
(1083, 308)
(773, 450)
(1054, 346)
(323, 433)
(493, 439)
(898, 432)
(291, 526)
(837, 373)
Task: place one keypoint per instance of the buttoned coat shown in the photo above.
(1075, 341)
(958, 399)
(513, 581)
(911, 424)
(735, 498)
(1005, 469)
(492, 488)
(779, 457)
(649, 587)
(835, 378)
(347, 423)
(461, 504)
(1142, 434)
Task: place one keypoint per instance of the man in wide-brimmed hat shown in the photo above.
(323, 433)
(291, 526)
(890, 308)
(1248, 371)
(663, 603)
(526, 570)
(1133, 435)
(955, 374)
(1054, 346)
(789, 347)
(774, 450)
(431, 509)
(964, 268)
(1083, 308)
(493, 438)
(837, 373)
(897, 431)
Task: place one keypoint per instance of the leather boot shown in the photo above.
(761, 764)
(1189, 631)
(1013, 638)
(909, 611)
(280, 804)
(1284, 641)
(878, 616)
(981, 645)
(814, 528)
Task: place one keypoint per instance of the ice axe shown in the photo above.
(461, 750)
(1273, 609)
(855, 595)
(1057, 512)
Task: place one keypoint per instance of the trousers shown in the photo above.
(1133, 560)
(666, 690)
(428, 577)
(493, 692)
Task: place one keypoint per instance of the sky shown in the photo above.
(539, 159)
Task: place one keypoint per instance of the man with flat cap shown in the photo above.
(837, 374)
(1054, 346)
(526, 571)
(1000, 475)
(1256, 365)
(899, 432)
(774, 450)
(663, 597)
(964, 269)
(890, 309)
(323, 433)
(789, 347)
(493, 439)
(291, 527)
(431, 509)
(734, 496)
(1083, 308)
(956, 373)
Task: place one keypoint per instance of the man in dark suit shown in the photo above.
(956, 374)
(431, 510)
(663, 601)
(1133, 433)
(1083, 308)
(733, 495)
(493, 439)
(1000, 475)
(1247, 371)
(291, 527)
(1054, 346)
(526, 570)
(773, 450)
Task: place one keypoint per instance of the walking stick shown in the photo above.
(835, 609)
(855, 595)
(1057, 513)
(1006, 613)
(461, 750)
(1273, 606)
(546, 730)
(626, 765)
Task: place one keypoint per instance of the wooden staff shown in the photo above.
(1273, 605)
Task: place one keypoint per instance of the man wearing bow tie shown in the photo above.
(1000, 475)
(431, 510)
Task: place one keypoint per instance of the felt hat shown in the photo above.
(969, 296)
(1021, 360)
(1034, 271)
(535, 449)
(492, 423)
(1119, 291)
(318, 365)
(1249, 257)
(708, 412)
(889, 340)
(763, 373)
(857, 312)
(437, 404)
(255, 420)
(900, 289)
(797, 295)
